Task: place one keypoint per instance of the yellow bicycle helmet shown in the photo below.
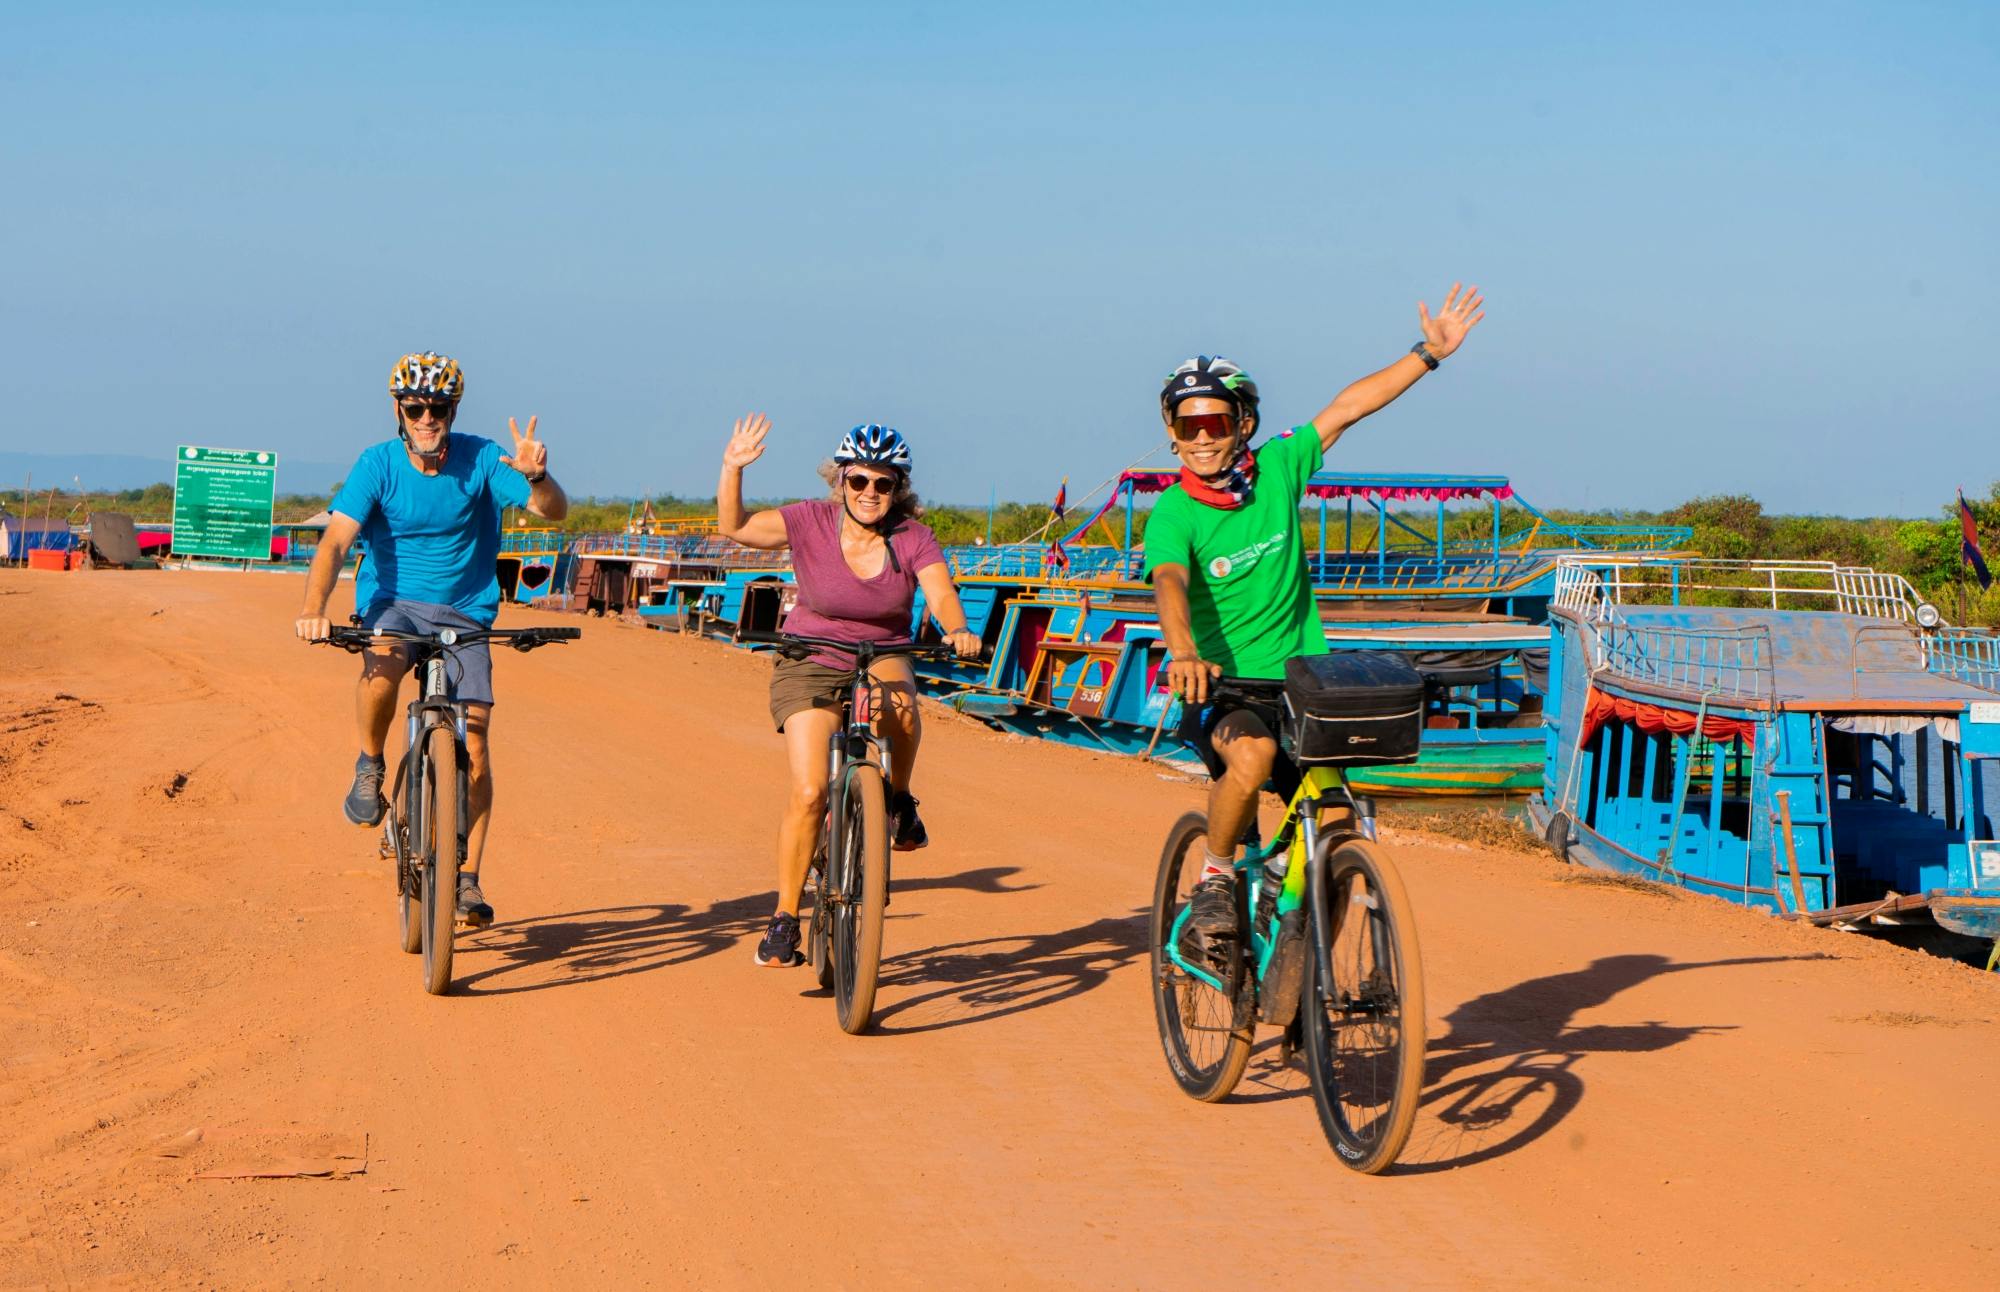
(435, 375)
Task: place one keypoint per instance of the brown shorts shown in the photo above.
(800, 684)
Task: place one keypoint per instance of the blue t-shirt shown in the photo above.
(431, 538)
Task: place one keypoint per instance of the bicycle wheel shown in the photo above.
(1364, 1049)
(440, 858)
(1204, 1032)
(816, 932)
(860, 893)
(395, 846)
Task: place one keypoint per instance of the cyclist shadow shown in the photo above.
(590, 946)
(1505, 1073)
(957, 983)
(580, 947)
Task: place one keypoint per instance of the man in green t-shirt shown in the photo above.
(1226, 555)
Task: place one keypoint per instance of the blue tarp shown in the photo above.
(22, 542)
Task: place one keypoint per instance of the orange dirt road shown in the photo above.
(1625, 1089)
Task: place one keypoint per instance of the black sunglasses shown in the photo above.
(415, 410)
(859, 483)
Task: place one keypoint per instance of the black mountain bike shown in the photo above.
(850, 871)
(424, 829)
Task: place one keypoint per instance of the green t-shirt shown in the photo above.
(1250, 596)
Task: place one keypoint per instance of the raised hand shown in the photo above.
(746, 442)
(1455, 318)
(531, 456)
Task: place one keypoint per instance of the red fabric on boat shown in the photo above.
(1403, 493)
(1652, 719)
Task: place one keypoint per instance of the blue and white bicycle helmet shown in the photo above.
(874, 446)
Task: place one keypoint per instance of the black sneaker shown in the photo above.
(472, 907)
(780, 947)
(365, 804)
(1211, 923)
(1214, 903)
(909, 833)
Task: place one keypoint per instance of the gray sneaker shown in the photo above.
(365, 804)
(472, 907)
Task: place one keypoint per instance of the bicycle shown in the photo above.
(850, 869)
(1328, 952)
(424, 830)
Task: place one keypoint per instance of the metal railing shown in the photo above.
(1967, 654)
(1725, 663)
(1587, 585)
(1031, 561)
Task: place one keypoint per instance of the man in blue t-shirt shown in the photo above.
(426, 507)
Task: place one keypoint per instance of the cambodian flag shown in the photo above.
(1969, 546)
(1056, 556)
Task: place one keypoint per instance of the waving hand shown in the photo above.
(1455, 318)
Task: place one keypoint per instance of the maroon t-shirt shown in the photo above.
(835, 602)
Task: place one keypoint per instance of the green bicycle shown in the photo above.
(1328, 952)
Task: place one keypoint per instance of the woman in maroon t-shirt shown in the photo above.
(859, 557)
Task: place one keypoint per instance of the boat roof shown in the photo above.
(1391, 485)
(1817, 659)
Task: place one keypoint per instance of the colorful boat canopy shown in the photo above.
(1347, 484)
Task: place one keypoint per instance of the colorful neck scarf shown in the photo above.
(1231, 492)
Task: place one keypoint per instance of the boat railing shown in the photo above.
(1032, 561)
(1969, 655)
(680, 549)
(1645, 538)
(1733, 664)
(1581, 591)
(1778, 585)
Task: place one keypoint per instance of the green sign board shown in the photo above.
(222, 502)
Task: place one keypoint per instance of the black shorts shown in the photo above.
(1198, 731)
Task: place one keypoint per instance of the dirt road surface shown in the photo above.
(1625, 1089)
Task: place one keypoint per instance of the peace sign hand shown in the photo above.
(746, 442)
(531, 456)
(1446, 332)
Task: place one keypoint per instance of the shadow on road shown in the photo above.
(590, 946)
(1505, 1074)
(979, 981)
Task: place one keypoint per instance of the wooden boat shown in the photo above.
(1804, 738)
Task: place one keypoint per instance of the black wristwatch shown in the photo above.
(1423, 352)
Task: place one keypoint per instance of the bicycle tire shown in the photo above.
(409, 904)
(817, 946)
(856, 931)
(440, 859)
(1365, 1055)
(1206, 1058)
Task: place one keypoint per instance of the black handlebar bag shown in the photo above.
(1353, 709)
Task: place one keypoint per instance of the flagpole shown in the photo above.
(992, 497)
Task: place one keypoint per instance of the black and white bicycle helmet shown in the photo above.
(873, 445)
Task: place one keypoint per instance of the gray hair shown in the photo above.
(903, 504)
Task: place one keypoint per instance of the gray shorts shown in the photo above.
(468, 669)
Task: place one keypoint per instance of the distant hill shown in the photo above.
(133, 471)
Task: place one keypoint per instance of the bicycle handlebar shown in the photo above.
(799, 641)
(521, 639)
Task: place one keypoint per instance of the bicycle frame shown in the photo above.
(1298, 835)
(430, 709)
(854, 743)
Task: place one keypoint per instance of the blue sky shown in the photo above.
(1726, 248)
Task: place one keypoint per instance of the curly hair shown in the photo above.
(903, 504)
